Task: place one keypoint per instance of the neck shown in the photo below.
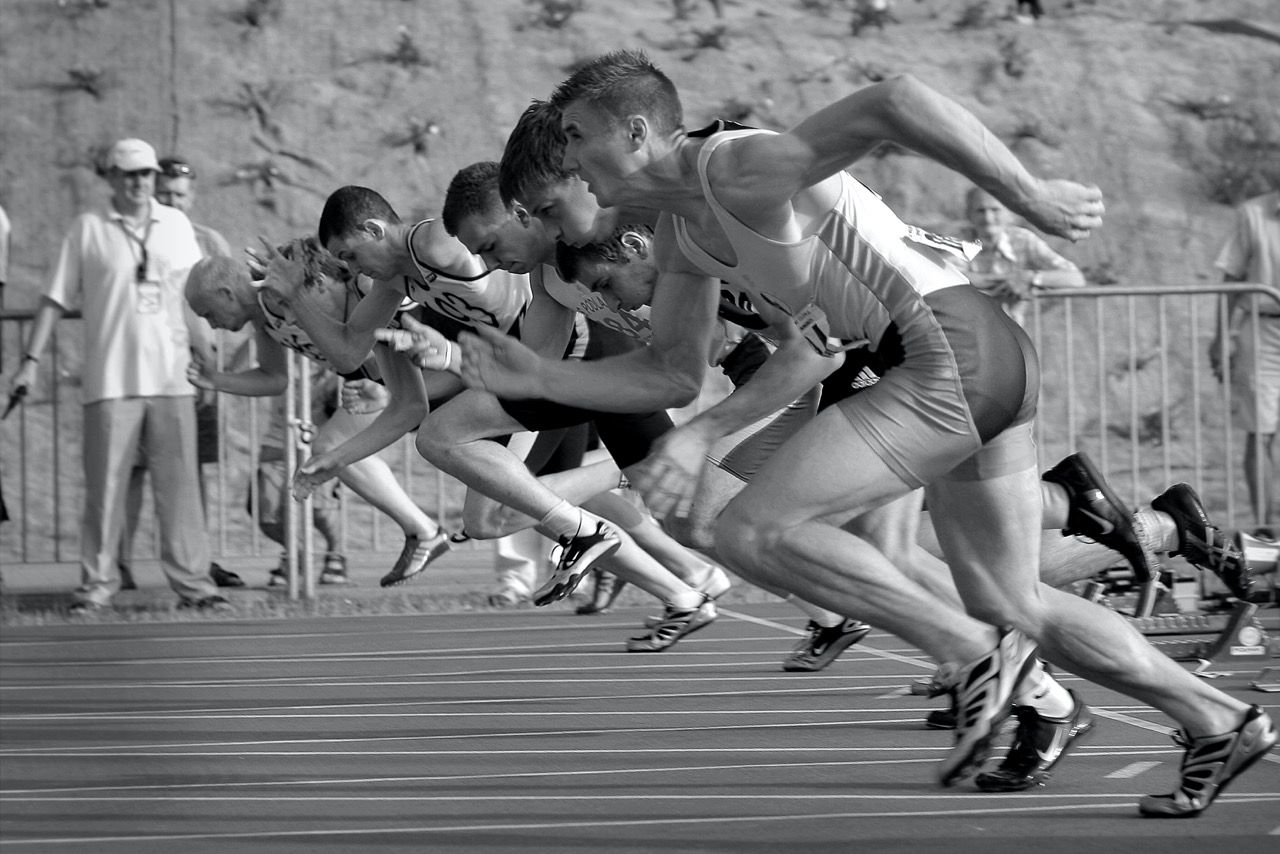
(130, 209)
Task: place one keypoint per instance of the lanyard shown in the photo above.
(140, 272)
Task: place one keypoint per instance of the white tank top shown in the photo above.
(496, 298)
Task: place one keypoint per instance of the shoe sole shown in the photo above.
(1222, 787)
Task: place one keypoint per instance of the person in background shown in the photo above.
(1251, 253)
(1014, 261)
(126, 264)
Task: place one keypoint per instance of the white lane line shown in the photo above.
(1133, 769)
(914, 661)
(1092, 803)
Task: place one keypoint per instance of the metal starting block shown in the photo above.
(1236, 638)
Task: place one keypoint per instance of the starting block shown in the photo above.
(1238, 638)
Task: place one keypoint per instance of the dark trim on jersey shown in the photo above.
(718, 126)
(434, 271)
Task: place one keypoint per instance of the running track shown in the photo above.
(533, 731)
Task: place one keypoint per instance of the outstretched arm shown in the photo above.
(905, 111)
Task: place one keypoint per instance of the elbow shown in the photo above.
(684, 390)
(344, 364)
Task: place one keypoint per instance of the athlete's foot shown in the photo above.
(823, 645)
(607, 588)
(1210, 763)
(1201, 542)
(577, 554)
(1039, 743)
(675, 624)
(417, 555)
(1096, 512)
(984, 692)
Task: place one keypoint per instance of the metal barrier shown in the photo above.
(1124, 377)
(41, 475)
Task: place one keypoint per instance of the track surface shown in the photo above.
(533, 731)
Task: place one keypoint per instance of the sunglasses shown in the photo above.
(178, 170)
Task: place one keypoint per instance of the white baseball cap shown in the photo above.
(132, 155)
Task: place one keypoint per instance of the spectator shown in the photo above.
(1014, 261)
(126, 265)
(1252, 254)
(176, 187)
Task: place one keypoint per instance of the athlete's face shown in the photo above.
(627, 284)
(505, 240)
(366, 251)
(219, 308)
(598, 148)
(570, 213)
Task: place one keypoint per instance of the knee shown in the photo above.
(691, 531)
(431, 441)
(745, 539)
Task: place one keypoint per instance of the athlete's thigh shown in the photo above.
(471, 415)
(826, 469)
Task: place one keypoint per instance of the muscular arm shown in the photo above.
(344, 345)
(269, 378)
(905, 111)
(405, 411)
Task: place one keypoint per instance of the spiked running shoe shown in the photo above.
(1096, 512)
(942, 718)
(416, 556)
(675, 625)
(1202, 543)
(713, 585)
(824, 645)
(1210, 764)
(577, 554)
(984, 691)
(1039, 743)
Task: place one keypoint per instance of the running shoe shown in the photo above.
(215, 604)
(507, 596)
(608, 587)
(576, 556)
(713, 585)
(675, 625)
(1039, 743)
(1210, 764)
(416, 556)
(943, 718)
(824, 645)
(984, 691)
(1200, 542)
(224, 577)
(1096, 512)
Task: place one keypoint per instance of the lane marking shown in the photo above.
(1133, 769)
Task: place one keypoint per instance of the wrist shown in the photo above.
(29, 357)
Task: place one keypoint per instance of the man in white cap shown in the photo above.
(126, 265)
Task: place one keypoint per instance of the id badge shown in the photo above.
(149, 297)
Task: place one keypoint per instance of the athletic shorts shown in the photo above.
(742, 453)
(628, 438)
(960, 404)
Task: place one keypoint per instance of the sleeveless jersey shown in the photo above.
(634, 324)
(496, 298)
(859, 269)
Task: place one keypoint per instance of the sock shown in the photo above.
(1156, 530)
(686, 600)
(564, 520)
(1043, 693)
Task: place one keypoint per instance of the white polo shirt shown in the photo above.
(130, 350)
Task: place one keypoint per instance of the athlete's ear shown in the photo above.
(637, 129)
(375, 228)
(522, 214)
(635, 242)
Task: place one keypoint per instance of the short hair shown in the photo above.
(533, 154)
(473, 191)
(623, 83)
(611, 250)
(348, 207)
(216, 270)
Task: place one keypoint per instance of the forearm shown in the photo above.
(640, 381)
(344, 345)
(1063, 277)
(791, 371)
(253, 383)
(393, 422)
(46, 319)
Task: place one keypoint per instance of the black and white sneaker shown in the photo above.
(675, 625)
(576, 556)
(1201, 542)
(984, 698)
(1097, 513)
(1210, 763)
(823, 645)
(1039, 743)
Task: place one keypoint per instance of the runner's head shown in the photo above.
(503, 235)
(531, 173)
(355, 226)
(220, 290)
(617, 112)
(620, 269)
